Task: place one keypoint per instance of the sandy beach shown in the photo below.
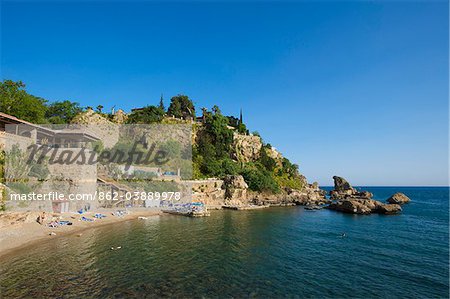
(19, 231)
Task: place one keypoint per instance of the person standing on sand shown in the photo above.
(41, 218)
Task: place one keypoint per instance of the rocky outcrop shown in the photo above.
(350, 206)
(120, 117)
(273, 200)
(364, 207)
(99, 126)
(274, 153)
(310, 194)
(349, 200)
(247, 148)
(235, 190)
(343, 190)
(389, 209)
(341, 184)
(398, 198)
(209, 191)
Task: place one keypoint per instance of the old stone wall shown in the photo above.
(7, 140)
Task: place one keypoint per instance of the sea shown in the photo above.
(284, 252)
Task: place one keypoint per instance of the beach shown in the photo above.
(23, 230)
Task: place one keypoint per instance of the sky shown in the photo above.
(355, 89)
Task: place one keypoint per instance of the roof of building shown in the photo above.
(10, 119)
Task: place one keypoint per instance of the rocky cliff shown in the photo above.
(101, 127)
(247, 148)
(229, 191)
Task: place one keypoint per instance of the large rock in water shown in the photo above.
(364, 206)
(389, 209)
(341, 184)
(310, 194)
(350, 206)
(343, 190)
(349, 200)
(398, 198)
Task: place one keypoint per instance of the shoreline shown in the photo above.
(21, 236)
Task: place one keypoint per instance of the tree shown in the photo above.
(146, 115)
(161, 103)
(16, 101)
(242, 129)
(289, 168)
(268, 162)
(62, 112)
(216, 109)
(237, 123)
(99, 108)
(233, 121)
(181, 106)
(220, 135)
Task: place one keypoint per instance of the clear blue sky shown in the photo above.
(357, 89)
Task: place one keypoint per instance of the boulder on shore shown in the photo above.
(398, 198)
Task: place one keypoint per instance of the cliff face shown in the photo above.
(210, 192)
(274, 154)
(215, 193)
(107, 131)
(247, 148)
(231, 190)
(120, 117)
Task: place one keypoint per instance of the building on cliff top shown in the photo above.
(14, 128)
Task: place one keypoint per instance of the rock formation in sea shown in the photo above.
(398, 198)
(343, 190)
(364, 206)
(349, 200)
(310, 194)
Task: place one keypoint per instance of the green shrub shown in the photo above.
(268, 162)
(146, 115)
(259, 179)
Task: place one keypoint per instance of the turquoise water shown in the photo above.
(276, 252)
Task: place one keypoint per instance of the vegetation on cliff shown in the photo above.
(213, 153)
